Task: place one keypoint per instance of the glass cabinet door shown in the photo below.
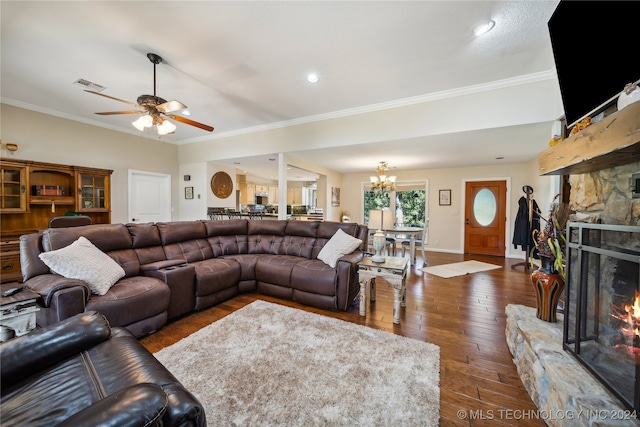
(94, 192)
(13, 194)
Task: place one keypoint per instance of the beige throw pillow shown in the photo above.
(340, 244)
(82, 260)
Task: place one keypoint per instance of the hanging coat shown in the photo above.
(522, 230)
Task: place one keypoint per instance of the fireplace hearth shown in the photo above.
(602, 305)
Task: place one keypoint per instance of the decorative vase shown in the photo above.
(548, 285)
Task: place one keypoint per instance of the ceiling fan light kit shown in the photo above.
(143, 122)
(166, 127)
(154, 107)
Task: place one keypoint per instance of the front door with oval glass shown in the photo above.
(485, 217)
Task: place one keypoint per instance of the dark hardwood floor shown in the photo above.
(463, 315)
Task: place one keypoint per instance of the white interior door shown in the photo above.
(149, 196)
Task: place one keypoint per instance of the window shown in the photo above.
(409, 202)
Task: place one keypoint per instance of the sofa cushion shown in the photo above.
(82, 260)
(216, 274)
(189, 250)
(276, 269)
(106, 237)
(247, 265)
(297, 246)
(327, 229)
(231, 227)
(229, 245)
(314, 276)
(340, 244)
(181, 231)
(128, 260)
(144, 234)
(132, 299)
(265, 237)
(267, 244)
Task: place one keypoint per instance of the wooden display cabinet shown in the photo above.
(51, 188)
(13, 187)
(31, 193)
(93, 192)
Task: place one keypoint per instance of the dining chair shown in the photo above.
(69, 221)
(421, 241)
(233, 214)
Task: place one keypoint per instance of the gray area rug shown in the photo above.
(269, 365)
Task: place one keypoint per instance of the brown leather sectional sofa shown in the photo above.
(173, 268)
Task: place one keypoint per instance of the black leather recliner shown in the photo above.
(83, 372)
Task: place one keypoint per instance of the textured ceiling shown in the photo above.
(240, 65)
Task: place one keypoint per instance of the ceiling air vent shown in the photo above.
(89, 85)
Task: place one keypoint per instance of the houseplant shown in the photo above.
(548, 279)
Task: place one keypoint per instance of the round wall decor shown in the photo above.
(221, 185)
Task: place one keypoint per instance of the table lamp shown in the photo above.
(380, 220)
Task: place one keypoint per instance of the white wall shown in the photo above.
(196, 208)
(446, 223)
(47, 138)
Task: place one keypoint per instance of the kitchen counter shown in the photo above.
(307, 217)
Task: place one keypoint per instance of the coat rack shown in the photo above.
(528, 190)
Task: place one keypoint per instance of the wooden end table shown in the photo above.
(19, 310)
(394, 271)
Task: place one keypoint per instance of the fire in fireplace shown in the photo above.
(602, 305)
(628, 317)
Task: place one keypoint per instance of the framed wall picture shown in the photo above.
(335, 196)
(188, 192)
(445, 198)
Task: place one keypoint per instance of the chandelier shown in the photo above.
(383, 182)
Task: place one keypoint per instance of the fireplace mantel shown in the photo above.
(613, 141)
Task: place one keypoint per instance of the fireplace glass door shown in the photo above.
(602, 305)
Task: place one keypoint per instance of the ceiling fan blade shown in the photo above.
(171, 106)
(109, 113)
(190, 122)
(111, 97)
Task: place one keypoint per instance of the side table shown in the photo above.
(394, 271)
(19, 310)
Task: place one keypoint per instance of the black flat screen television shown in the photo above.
(595, 48)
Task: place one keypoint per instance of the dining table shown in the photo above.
(411, 232)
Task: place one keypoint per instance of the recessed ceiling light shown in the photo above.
(186, 112)
(313, 78)
(484, 28)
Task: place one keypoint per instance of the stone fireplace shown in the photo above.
(602, 293)
(565, 391)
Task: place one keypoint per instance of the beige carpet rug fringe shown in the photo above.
(271, 365)
(459, 268)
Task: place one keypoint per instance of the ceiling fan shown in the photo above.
(154, 108)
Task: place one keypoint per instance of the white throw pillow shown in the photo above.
(82, 260)
(340, 244)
